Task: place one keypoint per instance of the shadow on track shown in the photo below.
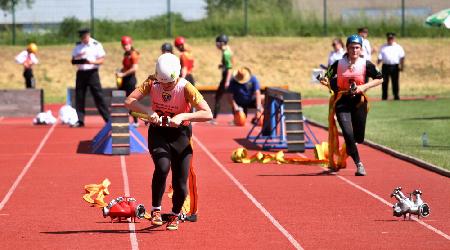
(150, 229)
(84, 147)
(323, 173)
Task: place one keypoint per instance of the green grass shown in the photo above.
(275, 23)
(399, 125)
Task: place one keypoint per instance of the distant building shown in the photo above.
(371, 9)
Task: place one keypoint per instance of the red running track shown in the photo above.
(285, 206)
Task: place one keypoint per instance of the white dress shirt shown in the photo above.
(334, 56)
(24, 56)
(391, 54)
(91, 51)
(367, 49)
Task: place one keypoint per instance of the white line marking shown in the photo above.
(291, 239)
(27, 167)
(126, 190)
(421, 222)
(428, 226)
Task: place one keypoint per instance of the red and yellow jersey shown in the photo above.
(129, 58)
(187, 61)
(170, 103)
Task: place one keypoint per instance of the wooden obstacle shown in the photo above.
(21, 102)
(120, 131)
(283, 125)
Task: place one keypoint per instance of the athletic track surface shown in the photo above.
(43, 170)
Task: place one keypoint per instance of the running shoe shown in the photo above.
(172, 222)
(191, 218)
(78, 124)
(213, 122)
(360, 171)
(156, 218)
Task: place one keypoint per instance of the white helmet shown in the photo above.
(167, 68)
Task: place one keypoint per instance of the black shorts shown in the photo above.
(175, 140)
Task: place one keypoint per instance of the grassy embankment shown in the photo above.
(275, 60)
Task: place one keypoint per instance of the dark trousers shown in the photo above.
(29, 78)
(392, 71)
(219, 93)
(170, 148)
(351, 115)
(128, 85)
(91, 79)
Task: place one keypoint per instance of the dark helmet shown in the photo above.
(222, 38)
(167, 47)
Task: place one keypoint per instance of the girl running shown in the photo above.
(349, 81)
(170, 132)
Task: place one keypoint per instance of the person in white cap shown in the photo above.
(169, 134)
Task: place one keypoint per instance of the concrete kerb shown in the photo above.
(390, 151)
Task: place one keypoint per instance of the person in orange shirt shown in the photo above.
(129, 67)
(186, 59)
(28, 58)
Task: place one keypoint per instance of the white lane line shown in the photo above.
(263, 210)
(421, 222)
(126, 190)
(27, 167)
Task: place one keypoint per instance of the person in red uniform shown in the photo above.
(186, 59)
(129, 68)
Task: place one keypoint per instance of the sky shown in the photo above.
(54, 11)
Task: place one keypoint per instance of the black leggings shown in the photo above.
(29, 78)
(351, 115)
(219, 93)
(170, 148)
(128, 85)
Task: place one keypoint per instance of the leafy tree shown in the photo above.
(6, 5)
(256, 6)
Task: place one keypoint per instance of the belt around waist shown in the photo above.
(87, 70)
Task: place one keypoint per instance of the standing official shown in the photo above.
(88, 55)
(392, 56)
(28, 58)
